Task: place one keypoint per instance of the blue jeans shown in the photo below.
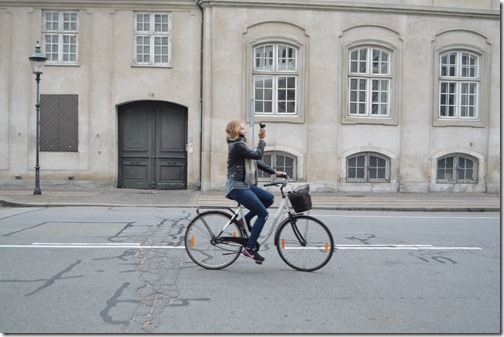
(256, 200)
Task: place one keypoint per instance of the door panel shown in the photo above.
(152, 139)
(171, 165)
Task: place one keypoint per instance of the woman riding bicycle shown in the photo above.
(255, 199)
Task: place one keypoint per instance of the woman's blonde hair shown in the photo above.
(233, 129)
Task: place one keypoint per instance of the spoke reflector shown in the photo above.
(283, 243)
(326, 247)
(192, 241)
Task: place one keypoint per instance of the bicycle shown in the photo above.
(214, 238)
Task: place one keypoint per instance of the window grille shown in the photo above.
(153, 39)
(369, 82)
(281, 161)
(275, 79)
(457, 168)
(60, 31)
(458, 85)
(368, 167)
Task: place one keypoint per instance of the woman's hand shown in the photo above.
(262, 133)
(280, 174)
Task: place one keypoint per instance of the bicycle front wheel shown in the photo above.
(304, 243)
(206, 247)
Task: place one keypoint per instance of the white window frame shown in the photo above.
(61, 37)
(270, 68)
(363, 95)
(152, 35)
(457, 81)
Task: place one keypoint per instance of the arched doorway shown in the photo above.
(152, 146)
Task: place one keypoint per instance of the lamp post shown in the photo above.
(37, 63)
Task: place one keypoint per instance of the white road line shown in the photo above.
(139, 246)
(408, 248)
(91, 245)
(409, 217)
(86, 244)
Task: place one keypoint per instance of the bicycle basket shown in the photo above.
(300, 198)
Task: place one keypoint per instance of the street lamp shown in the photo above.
(37, 63)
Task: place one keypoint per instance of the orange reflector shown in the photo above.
(326, 247)
(192, 241)
(234, 234)
(283, 243)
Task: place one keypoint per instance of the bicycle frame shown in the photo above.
(283, 208)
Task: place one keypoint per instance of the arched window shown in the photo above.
(457, 168)
(281, 161)
(370, 81)
(368, 167)
(459, 81)
(275, 77)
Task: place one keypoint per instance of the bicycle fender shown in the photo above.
(277, 233)
(294, 217)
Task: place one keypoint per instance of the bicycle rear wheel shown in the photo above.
(205, 248)
(305, 244)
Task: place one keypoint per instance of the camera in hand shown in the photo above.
(262, 125)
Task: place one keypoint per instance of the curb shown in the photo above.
(5, 203)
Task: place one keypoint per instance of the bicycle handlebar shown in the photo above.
(279, 183)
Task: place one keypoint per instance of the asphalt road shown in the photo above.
(124, 270)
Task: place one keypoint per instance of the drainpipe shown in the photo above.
(199, 185)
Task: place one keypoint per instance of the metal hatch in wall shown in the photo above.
(152, 146)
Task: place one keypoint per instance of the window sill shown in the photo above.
(62, 65)
(369, 120)
(276, 118)
(151, 66)
(463, 123)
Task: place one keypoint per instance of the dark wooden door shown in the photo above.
(152, 146)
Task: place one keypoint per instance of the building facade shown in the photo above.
(392, 95)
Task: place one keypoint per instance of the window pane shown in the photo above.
(357, 95)
(358, 61)
(51, 47)
(143, 23)
(263, 84)
(448, 64)
(286, 58)
(379, 97)
(447, 99)
(264, 58)
(51, 21)
(445, 169)
(143, 49)
(161, 23)
(468, 98)
(469, 65)
(161, 49)
(380, 62)
(69, 21)
(69, 48)
(286, 94)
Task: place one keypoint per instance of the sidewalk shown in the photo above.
(113, 197)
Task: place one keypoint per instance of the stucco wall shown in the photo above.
(324, 137)
(321, 137)
(104, 78)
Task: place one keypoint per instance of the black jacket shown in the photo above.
(238, 151)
